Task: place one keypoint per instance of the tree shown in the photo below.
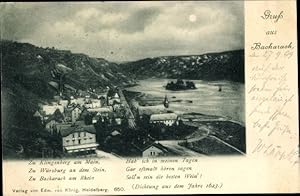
(144, 121)
(190, 85)
(58, 116)
(124, 124)
(179, 82)
(29, 133)
(102, 129)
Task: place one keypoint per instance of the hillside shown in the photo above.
(32, 71)
(213, 66)
(24, 62)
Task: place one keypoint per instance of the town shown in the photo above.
(88, 121)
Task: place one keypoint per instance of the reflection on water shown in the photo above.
(206, 99)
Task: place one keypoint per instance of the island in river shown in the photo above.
(180, 85)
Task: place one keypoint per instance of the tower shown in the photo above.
(166, 102)
(61, 85)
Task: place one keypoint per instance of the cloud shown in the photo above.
(93, 20)
(124, 31)
(139, 20)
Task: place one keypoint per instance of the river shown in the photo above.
(206, 99)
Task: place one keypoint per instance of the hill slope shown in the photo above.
(22, 63)
(213, 66)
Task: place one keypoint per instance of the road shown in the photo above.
(219, 119)
(174, 146)
(129, 114)
(201, 133)
(227, 144)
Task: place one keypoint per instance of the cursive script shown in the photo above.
(277, 152)
(272, 97)
(268, 15)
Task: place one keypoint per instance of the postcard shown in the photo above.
(149, 97)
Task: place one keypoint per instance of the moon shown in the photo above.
(192, 18)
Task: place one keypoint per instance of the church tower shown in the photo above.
(166, 102)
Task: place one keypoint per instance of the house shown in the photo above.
(58, 116)
(45, 117)
(149, 110)
(150, 148)
(114, 119)
(115, 133)
(88, 104)
(38, 115)
(92, 103)
(117, 106)
(118, 121)
(50, 125)
(73, 112)
(96, 103)
(154, 150)
(61, 126)
(73, 100)
(115, 99)
(168, 119)
(63, 102)
(50, 109)
(80, 101)
(51, 122)
(84, 113)
(101, 119)
(79, 139)
(103, 111)
(115, 139)
(95, 119)
(102, 101)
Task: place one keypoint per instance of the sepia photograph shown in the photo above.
(122, 79)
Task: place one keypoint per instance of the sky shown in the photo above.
(126, 31)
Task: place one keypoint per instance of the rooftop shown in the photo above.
(115, 133)
(157, 145)
(165, 116)
(148, 110)
(37, 114)
(72, 106)
(101, 110)
(77, 127)
(116, 95)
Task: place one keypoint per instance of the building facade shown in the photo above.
(155, 150)
(167, 119)
(79, 139)
(114, 99)
(50, 109)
